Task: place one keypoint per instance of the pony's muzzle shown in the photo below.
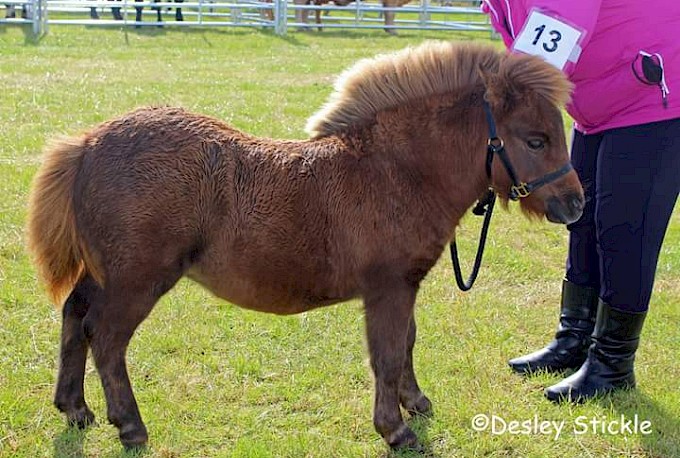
(566, 210)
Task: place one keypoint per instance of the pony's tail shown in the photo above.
(52, 235)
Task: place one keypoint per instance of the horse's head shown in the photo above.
(524, 97)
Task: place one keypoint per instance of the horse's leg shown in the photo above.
(388, 311)
(69, 396)
(305, 14)
(178, 12)
(138, 13)
(301, 15)
(389, 17)
(109, 325)
(410, 396)
(159, 18)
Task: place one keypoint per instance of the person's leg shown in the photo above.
(640, 186)
(637, 187)
(115, 11)
(581, 284)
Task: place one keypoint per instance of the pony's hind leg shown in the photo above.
(109, 326)
(69, 396)
(388, 311)
(410, 395)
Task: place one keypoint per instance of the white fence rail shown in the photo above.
(279, 15)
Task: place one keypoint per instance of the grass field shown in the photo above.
(213, 380)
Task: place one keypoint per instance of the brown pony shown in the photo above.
(363, 209)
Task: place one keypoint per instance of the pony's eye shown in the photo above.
(535, 144)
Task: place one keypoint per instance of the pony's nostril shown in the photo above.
(577, 203)
(565, 210)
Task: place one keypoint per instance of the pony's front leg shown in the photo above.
(388, 311)
(410, 396)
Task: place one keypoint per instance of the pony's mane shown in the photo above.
(433, 68)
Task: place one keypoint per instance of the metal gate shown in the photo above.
(279, 15)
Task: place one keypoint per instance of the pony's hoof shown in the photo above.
(81, 418)
(423, 406)
(133, 437)
(404, 439)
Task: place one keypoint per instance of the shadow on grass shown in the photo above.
(664, 439)
(27, 29)
(69, 444)
(420, 425)
(291, 37)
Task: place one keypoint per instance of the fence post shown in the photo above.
(39, 11)
(424, 13)
(280, 17)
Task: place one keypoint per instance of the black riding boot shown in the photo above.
(609, 365)
(570, 347)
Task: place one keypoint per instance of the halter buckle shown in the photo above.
(519, 191)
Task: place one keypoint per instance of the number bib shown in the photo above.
(549, 38)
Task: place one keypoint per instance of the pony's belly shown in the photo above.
(267, 296)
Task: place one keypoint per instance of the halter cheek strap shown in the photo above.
(496, 147)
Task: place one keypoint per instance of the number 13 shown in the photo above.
(555, 37)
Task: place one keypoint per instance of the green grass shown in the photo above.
(213, 380)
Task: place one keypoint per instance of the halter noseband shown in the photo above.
(496, 146)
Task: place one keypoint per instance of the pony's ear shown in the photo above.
(498, 91)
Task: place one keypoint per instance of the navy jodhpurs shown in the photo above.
(631, 179)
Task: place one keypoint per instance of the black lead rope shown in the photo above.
(484, 207)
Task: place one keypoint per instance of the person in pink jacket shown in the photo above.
(623, 57)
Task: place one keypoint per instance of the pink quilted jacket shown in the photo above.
(623, 56)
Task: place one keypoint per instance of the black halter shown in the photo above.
(495, 146)
(518, 190)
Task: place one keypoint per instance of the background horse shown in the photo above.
(303, 15)
(363, 209)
